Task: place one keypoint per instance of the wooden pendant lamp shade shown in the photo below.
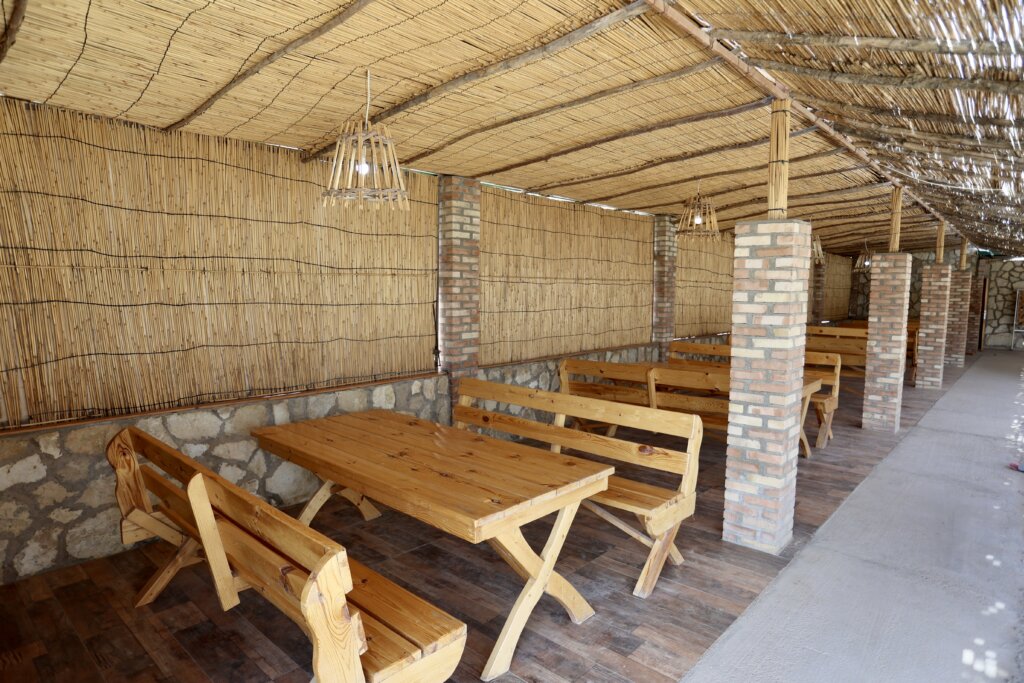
(817, 252)
(699, 219)
(365, 167)
(863, 263)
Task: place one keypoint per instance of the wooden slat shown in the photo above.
(637, 417)
(596, 444)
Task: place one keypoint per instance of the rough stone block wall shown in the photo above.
(1002, 276)
(887, 341)
(818, 292)
(974, 315)
(458, 277)
(772, 262)
(959, 306)
(666, 248)
(57, 504)
(931, 340)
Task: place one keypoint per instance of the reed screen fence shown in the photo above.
(704, 286)
(558, 278)
(141, 270)
(838, 279)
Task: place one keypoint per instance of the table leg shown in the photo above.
(803, 417)
(540, 575)
(323, 494)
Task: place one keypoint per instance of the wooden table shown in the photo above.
(472, 486)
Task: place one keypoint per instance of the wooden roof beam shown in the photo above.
(331, 24)
(845, 110)
(932, 46)
(905, 82)
(633, 9)
(11, 30)
(666, 160)
(671, 123)
(767, 85)
(571, 104)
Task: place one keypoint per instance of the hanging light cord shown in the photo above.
(367, 98)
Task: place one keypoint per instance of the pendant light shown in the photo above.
(699, 219)
(863, 263)
(365, 168)
(817, 253)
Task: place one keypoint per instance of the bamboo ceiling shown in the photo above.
(600, 101)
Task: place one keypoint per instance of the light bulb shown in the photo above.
(363, 168)
(698, 219)
(1007, 188)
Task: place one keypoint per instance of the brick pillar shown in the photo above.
(818, 292)
(959, 306)
(772, 260)
(974, 315)
(666, 248)
(458, 277)
(931, 340)
(887, 341)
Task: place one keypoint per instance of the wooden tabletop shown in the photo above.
(472, 486)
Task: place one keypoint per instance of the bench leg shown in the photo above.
(186, 555)
(825, 430)
(803, 419)
(655, 562)
(324, 493)
(674, 556)
(540, 575)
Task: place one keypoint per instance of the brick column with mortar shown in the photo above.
(974, 315)
(887, 341)
(666, 248)
(458, 277)
(959, 307)
(771, 270)
(818, 272)
(931, 340)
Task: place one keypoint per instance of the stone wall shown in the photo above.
(1002, 276)
(57, 502)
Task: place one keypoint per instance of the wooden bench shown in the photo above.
(828, 368)
(851, 343)
(660, 510)
(719, 354)
(363, 627)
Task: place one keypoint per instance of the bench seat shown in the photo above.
(663, 507)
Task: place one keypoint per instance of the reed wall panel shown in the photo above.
(560, 278)
(704, 286)
(838, 278)
(141, 270)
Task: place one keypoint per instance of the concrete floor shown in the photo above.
(919, 576)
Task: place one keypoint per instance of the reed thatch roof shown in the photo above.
(600, 101)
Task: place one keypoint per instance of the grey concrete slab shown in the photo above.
(919, 576)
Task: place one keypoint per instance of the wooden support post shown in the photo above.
(897, 216)
(940, 243)
(964, 244)
(778, 159)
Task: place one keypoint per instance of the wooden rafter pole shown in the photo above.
(896, 218)
(964, 244)
(778, 159)
(633, 9)
(884, 133)
(643, 130)
(848, 110)
(687, 26)
(11, 30)
(571, 104)
(934, 46)
(689, 156)
(331, 24)
(940, 243)
(905, 82)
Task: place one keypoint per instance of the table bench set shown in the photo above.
(468, 483)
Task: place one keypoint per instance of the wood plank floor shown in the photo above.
(78, 624)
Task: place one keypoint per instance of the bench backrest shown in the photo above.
(299, 570)
(689, 427)
(661, 377)
(853, 351)
(719, 352)
(696, 379)
(824, 366)
(840, 332)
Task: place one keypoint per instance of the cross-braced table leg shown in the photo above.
(324, 493)
(540, 575)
